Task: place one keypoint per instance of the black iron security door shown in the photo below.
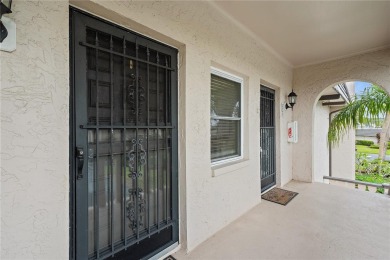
(125, 199)
(267, 138)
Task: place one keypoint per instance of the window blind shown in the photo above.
(225, 118)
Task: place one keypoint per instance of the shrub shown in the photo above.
(364, 142)
(366, 166)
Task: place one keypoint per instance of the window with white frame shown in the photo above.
(225, 116)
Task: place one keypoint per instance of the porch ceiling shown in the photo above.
(308, 32)
(322, 222)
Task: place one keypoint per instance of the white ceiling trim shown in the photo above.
(343, 56)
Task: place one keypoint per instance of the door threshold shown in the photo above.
(267, 190)
(166, 252)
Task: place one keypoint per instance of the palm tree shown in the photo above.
(373, 103)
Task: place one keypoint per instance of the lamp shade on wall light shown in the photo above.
(7, 27)
(5, 8)
(291, 100)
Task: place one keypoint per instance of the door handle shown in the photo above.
(80, 162)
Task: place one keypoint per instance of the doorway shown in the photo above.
(124, 142)
(267, 138)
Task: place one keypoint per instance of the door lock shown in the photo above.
(80, 162)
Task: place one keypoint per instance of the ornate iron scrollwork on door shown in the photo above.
(131, 158)
(132, 99)
(135, 209)
(136, 158)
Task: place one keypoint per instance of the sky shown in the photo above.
(360, 87)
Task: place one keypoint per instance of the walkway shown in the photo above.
(322, 222)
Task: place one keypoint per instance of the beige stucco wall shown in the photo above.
(35, 123)
(35, 134)
(320, 151)
(343, 155)
(310, 81)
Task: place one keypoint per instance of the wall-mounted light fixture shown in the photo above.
(291, 100)
(5, 8)
(7, 27)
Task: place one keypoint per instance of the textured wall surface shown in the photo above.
(34, 133)
(343, 155)
(35, 123)
(310, 81)
(209, 39)
(320, 151)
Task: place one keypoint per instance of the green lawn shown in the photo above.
(373, 178)
(368, 150)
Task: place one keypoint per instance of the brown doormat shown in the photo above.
(279, 196)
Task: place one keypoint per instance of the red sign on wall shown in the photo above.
(292, 132)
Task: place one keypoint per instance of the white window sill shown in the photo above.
(220, 169)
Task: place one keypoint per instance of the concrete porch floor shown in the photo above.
(322, 222)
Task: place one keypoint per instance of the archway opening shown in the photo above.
(357, 147)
